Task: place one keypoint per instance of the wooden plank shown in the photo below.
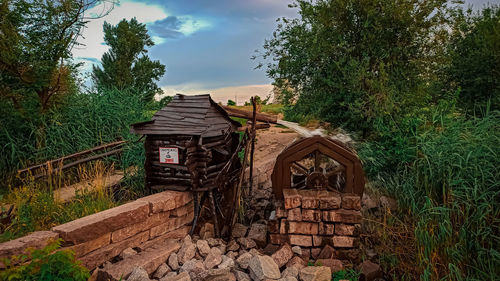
(248, 115)
(97, 148)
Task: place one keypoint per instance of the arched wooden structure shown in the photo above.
(354, 175)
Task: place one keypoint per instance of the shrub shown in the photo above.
(47, 264)
(451, 187)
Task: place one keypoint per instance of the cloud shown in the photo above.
(168, 27)
(177, 26)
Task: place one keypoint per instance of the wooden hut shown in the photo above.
(192, 145)
(192, 127)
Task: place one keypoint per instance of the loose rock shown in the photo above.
(334, 264)
(315, 273)
(370, 270)
(203, 247)
(243, 260)
(242, 276)
(161, 271)
(172, 276)
(186, 252)
(283, 255)
(213, 258)
(290, 272)
(195, 268)
(173, 261)
(258, 232)
(227, 262)
(246, 243)
(233, 246)
(296, 262)
(239, 230)
(297, 250)
(138, 274)
(263, 267)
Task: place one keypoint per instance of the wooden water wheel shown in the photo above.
(318, 163)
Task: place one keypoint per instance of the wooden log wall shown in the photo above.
(176, 176)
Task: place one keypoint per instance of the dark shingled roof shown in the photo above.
(188, 115)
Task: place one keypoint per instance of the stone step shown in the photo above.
(149, 259)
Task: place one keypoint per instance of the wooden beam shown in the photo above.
(240, 113)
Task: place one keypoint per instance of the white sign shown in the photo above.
(169, 155)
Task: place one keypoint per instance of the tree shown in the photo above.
(357, 63)
(36, 38)
(475, 59)
(126, 63)
(231, 102)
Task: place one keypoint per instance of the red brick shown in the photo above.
(96, 225)
(344, 242)
(89, 246)
(150, 222)
(292, 198)
(329, 200)
(278, 239)
(167, 200)
(171, 224)
(99, 256)
(302, 227)
(311, 215)
(310, 199)
(345, 216)
(326, 228)
(300, 240)
(347, 229)
(351, 202)
(280, 211)
(318, 240)
(294, 214)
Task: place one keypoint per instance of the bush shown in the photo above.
(47, 264)
(452, 188)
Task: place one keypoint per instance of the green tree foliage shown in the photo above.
(231, 102)
(475, 59)
(36, 38)
(357, 63)
(126, 64)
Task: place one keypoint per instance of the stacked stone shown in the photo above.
(100, 237)
(314, 219)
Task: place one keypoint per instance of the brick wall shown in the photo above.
(312, 219)
(102, 236)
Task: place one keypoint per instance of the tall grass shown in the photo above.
(38, 206)
(452, 188)
(84, 120)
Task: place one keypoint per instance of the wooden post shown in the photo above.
(252, 129)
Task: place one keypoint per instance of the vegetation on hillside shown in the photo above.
(417, 82)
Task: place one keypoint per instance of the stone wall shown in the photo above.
(313, 219)
(100, 237)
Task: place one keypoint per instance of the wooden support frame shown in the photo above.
(281, 176)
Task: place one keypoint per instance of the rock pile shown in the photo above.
(239, 259)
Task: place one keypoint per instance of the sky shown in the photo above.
(206, 45)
